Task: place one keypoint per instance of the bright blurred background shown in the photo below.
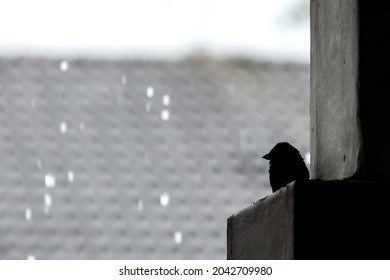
(159, 29)
(134, 129)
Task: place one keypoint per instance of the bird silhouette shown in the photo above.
(285, 165)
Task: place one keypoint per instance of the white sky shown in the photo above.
(156, 29)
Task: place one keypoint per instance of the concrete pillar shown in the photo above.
(335, 136)
(349, 113)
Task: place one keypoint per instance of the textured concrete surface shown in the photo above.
(131, 181)
(263, 230)
(336, 142)
(329, 220)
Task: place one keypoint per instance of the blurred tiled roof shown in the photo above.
(97, 164)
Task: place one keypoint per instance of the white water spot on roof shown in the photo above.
(140, 205)
(64, 66)
(46, 209)
(165, 115)
(31, 257)
(82, 126)
(307, 158)
(123, 80)
(148, 106)
(149, 92)
(28, 214)
(48, 199)
(178, 237)
(70, 176)
(166, 100)
(164, 199)
(48, 202)
(63, 127)
(50, 181)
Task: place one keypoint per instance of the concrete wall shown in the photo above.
(263, 230)
(336, 142)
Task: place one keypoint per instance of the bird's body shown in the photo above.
(286, 165)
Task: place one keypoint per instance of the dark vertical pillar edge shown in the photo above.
(374, 88)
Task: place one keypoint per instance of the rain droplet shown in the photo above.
(50, 181)
(123, 80)
(149, 92)
(148, 106)
(31, 257)
(63, 127)
(165, 115)
(28, 214)
(39, 164)
(307, 158)
(166, 100)
(46, 209)
(82, 126)
(64, 66)
(178, 237)
(164, 199)
(48, 199)
(32, 103)
(140, 205)
(70, 176)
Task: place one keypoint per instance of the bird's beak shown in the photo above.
(267, 157)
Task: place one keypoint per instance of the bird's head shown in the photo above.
(281, 150)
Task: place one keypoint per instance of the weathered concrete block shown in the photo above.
(263, 230)
(314, 220)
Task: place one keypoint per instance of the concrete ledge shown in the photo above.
(263, 230)
(315, 220)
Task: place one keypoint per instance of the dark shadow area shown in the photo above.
(341, 220)
(374, 58)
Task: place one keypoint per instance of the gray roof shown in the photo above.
(93, 167)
